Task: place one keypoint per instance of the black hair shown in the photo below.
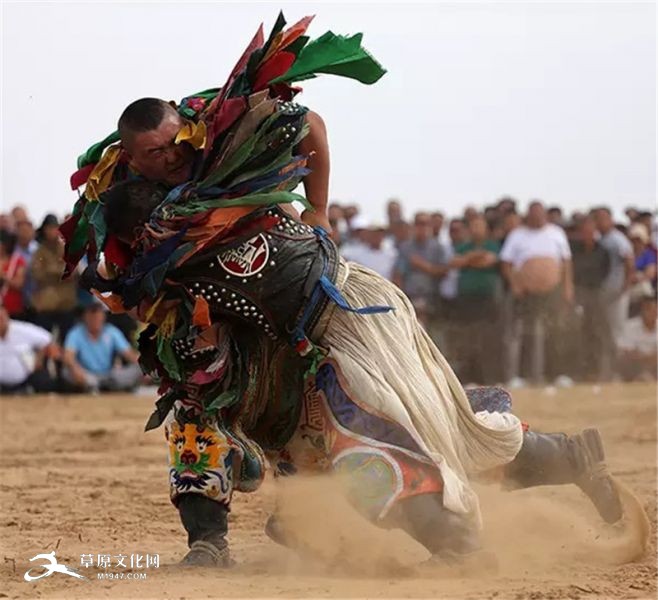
(8, 241)
(141, 115)
(605, 209)
(129, 205)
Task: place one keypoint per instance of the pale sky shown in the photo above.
(555, 101)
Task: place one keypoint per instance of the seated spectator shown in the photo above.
(646, 218)
(23, 348)
(91, 350)
(638, 346)
(371, 251)
(12, 275)
(54, 300)
(646, 259)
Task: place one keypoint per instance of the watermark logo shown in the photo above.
(50, 566)
(114, 566)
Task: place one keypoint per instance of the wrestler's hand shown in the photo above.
(316, 219)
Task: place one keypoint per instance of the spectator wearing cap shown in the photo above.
(536, 262)
(54, 300)
(398, 233)
(615, 289)
(646, 260)
(91, 352)
(646, 218)
(371, 251)
(421, 262)
(591, 265)
(23, 348)
(637, 344)
(12, 275)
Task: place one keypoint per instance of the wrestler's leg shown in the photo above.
(205, 521)
(555, 458)
(201, 485)
(447, 535)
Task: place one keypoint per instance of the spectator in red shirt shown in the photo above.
(12, 275)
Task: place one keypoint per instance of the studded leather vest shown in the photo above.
(269, 281)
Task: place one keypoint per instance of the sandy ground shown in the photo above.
(79, 476)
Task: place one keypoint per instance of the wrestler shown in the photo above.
(248, 306)
(350, 432)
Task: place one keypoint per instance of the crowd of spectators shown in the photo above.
(508, 296)
(519, 297)
(54, 336)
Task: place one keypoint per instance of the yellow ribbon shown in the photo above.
(193, 133)
(168, 325)
(101, 176)
(154, 307)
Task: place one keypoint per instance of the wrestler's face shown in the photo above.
(155, 156)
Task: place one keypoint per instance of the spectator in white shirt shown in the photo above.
(536, 263)
(22, 349)
(637, 344)
(370, 249)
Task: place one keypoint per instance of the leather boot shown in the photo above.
(206, 525)
(555, 458)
